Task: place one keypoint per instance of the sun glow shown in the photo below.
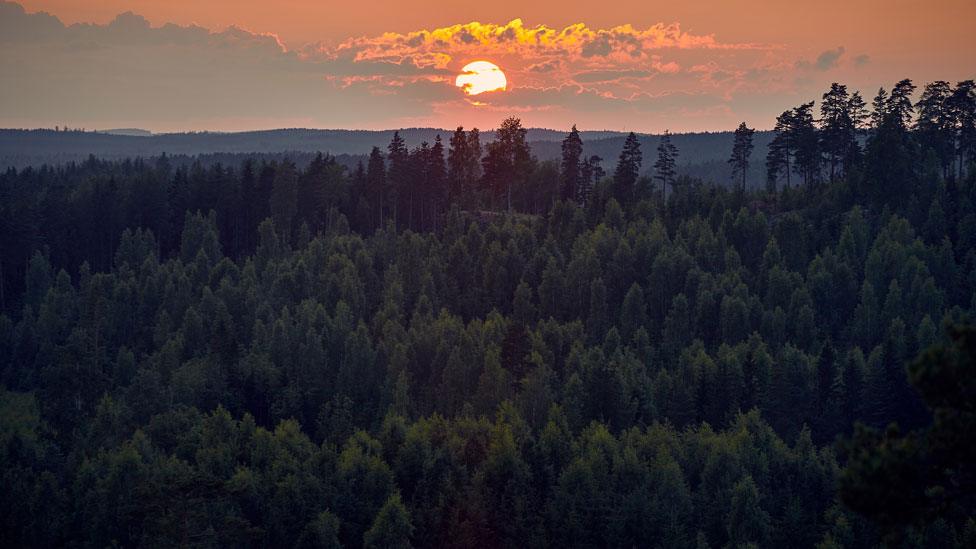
(481, 76)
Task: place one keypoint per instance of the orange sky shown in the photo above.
(615, 65)
(884, 24)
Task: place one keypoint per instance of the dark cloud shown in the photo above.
(829, 59)
(417, 40)
(465, 37)
(128, 72)
(17, 26)
(600, 45)
(545, 66)
(862, 60)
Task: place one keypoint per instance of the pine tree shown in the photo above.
(628, 168)
(473, 170)
(508, 158)
(398, 174)
(417, 186)
(570, 176)
(436, 195)
(250, 202)
(781, 150)
(837, 127)
(962, 104)
(891, 154)
(859, 116)
(879, 109)
(457, 164)
(591, 172)
(900, 106)
(935, 127)
(359, 193)
(807, 156)
(664, 167)
(741, 149)
(376, 183)
(284, 198)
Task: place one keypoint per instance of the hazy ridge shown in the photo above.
(701, 154)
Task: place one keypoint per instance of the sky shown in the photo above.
(630, 65)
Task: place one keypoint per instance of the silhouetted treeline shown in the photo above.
(23, 148)
(459, 345)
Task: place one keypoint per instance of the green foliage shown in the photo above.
(933, 466)
(392, 528)
(283, 356)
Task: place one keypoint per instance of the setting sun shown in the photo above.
(481, 76)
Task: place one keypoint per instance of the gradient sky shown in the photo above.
(638, 65)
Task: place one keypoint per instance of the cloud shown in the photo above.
(545, 66)
(612, 75)
(172, 77)
(515, 37)
(598, 46)
(128, 72)
(862, 60)
(829, 59)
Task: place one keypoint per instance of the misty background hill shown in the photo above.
(701, 155)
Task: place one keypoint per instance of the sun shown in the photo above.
(481, 76)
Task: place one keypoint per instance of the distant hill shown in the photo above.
(700, 154)
(127, 131)
(38, 146)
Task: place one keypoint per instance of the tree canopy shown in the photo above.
(473, 347)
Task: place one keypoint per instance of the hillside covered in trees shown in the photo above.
(703, 155)
(459, 344)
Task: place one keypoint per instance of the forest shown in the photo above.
(459, 344)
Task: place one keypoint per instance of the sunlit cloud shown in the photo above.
(130, 72)
(516, 38)
(618, 63)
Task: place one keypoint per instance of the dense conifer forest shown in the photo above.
(461, 345)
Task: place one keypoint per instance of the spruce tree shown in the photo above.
(570, 176)
(859, 116)
(398, 174)
(284, 198)
(741, 150)
(879, 109)
(457, 163)
(376, 183)
(591, 172)
(473, 158)
(628, 168)
(437, 195)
